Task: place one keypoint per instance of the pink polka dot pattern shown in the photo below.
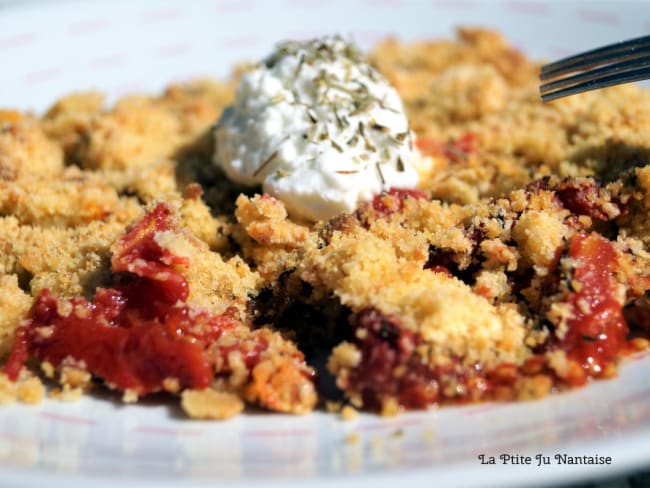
(53, 48)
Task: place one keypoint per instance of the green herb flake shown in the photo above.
(381, 175)
(336, 146)
(266, 163)
(277, 98)
(353, 140)
(400, 165)
(301, 62)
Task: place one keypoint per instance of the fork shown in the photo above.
(615, 64)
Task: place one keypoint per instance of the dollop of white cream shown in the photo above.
(319, 128)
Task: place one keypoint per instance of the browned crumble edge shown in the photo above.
(468, 294)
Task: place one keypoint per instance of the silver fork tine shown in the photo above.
(611, 80)
(614, 52)
(596, 73)
(618, 63)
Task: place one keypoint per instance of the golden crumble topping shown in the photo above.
(520, 266)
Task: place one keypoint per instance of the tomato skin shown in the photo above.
(18, 355)
(134, 336)
(139, 253)
(596, 331)
(128, 352)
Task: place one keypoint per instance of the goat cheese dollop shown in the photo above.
(319, 128)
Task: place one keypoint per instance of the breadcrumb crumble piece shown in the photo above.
(7, 390)
(14, 304)
(349, 413)
(211, 404)
(30, 391)
(26, 150)
(26, 389)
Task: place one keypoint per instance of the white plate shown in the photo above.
(48, 49)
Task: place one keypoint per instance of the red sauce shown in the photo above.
(392, 201)
(134, 336)
(596, 329)
(385, 347)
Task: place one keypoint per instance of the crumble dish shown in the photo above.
(517, 267)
